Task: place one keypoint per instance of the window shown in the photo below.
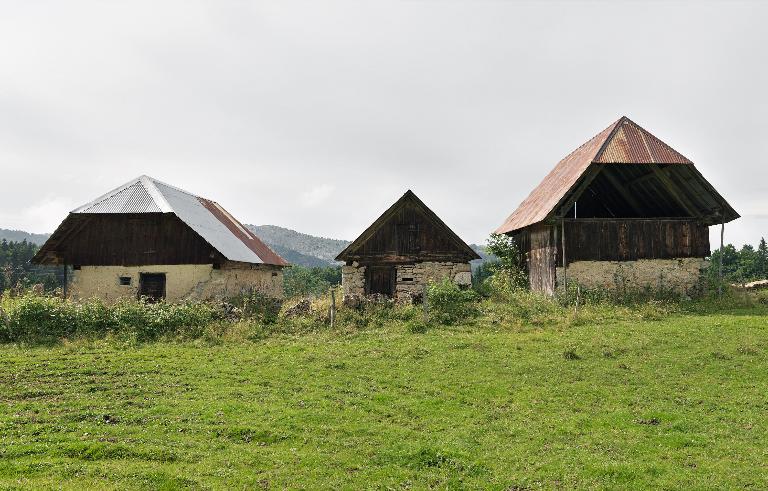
(125, 281)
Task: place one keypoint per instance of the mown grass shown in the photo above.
(604, 398)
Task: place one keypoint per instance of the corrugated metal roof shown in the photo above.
(214, 224)
(631, 144)
(623, 142)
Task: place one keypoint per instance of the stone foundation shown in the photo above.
(410, 278)
(681, 275)
(183, 281)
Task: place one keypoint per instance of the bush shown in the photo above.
(258, 306)
(449, 304)
(300, 281)
(31, 317)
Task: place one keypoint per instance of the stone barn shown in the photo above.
(404, 249)
(622, 210)
(149, 239)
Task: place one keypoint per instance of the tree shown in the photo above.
(761, 261)
(509, 262)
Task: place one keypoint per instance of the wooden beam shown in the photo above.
(624, 193)
(565, 264)
(672, 188)
(589, 176)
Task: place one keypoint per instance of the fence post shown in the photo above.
(425, 302)
(720, 272)
(333, 306)
(64, 289)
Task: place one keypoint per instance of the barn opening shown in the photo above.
(152, 286)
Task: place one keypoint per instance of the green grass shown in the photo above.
(680, 402)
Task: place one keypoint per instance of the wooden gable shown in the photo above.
(408, 232)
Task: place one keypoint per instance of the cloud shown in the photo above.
(317, 195)
(41, 217)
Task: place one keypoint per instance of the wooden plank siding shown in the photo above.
(409, 235)
(632, 239)
(133, 240)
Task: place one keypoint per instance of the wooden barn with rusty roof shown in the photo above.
(403, 250)
(153, 240)
(622, 210)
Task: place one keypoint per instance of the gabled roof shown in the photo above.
(623, 142)
(209, 220)
(408, 198)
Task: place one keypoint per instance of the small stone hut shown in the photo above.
(404, 249)
(150, 239)
(622, 210)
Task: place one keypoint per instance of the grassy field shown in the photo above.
(680, 402)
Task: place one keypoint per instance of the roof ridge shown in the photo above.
(615, 125)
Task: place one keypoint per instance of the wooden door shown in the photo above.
(541, 265)
(380, 279)
(152, 286)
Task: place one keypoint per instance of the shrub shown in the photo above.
(258, 306)
(31, 317)
(449, 304)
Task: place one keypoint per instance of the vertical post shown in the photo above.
(565, 272)
(425, 301)
(333, 306)
(64, 288)
(720, 272)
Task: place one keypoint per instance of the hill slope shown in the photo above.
(19, 235)
(298, 248)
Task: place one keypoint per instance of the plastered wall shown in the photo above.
(183, 282)
(682, 275)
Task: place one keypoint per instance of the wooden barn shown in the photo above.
(149, 239)
(622, 210)
(404, 249)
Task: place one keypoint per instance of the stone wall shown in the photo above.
(410, 278)
(682, 275)
(353, 280)
(182, 282)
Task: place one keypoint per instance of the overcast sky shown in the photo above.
(316, 116)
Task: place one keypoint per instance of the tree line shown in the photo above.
(17, 272)
(741, 265)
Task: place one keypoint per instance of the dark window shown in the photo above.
(76, 267)
(125, 280)
(152, 286)
(407, 279)
(408, 239)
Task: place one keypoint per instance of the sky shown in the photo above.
(317, 116)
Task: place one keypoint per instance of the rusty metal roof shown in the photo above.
(212, 222)
(623, 142)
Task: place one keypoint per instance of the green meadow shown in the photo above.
(636, 400)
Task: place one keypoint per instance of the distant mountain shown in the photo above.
(484, 256)
(18, 236)
(298, 248)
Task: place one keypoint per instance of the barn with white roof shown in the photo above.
(152, 240)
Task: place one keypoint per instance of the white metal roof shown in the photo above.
(220, 229)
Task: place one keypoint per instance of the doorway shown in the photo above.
(152, 286)
(380, 279)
